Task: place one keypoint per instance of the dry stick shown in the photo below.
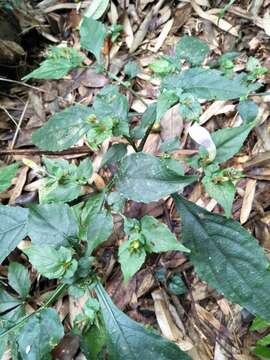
(72, 151)
(19, 125)
(23, 84)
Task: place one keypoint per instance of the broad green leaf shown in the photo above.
(93, 341)
(7, 302)
(7, 174)
(223, 192)
(115, 153)
(18, 279)
(227, 257)
(147, 119)
(259, 324)
(208, 84)
(190, 107)
(92, 36)
(96, 9)
(13, 228)
(52, 224)
(63, 129)
(145, 178)
(265, 341)
(165, 101)
(248, 110)
(158, 236)
(229, 141)
(162, 67)
(50, 262)
(131, 255)
(131, 69)
(128, 340)
(262, 351)
(41, 333)
(60, 61)
(110, 103)
(99, 230)
(170, 145)
(53, 191)
(192, 49)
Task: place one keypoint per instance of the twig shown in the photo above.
(75, 150)
(23, 84)
(19, 125)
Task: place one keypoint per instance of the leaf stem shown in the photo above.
(144, 139)
(51, 299)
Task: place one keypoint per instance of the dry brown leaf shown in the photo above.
(218, 107)
(163, 35)
(171, 124)
(18, 188)
(221, 23)
(248, 200)
(129, 36)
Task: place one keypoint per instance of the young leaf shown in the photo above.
(227, 257)
(50, 262)
(158, 236)
(259, 324)
(7, 173)
(128, 340)
(248, 110)
(192, 49)
(7, 302)
(18, 279)
(63, 129)
(190, 107)
(92, 36)
(208, 84)
(93, 340)
(99, 229)
(96, 9)
(131, 258)
(52, 224)
(162, 67)
(115, 153)
(222, 192)
(13, 228)
(131, 69)
(110, 103)
(145, 178)
(41, 333)
(165, 101)
(229, 141)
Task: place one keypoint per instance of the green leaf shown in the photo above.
(93, 341)
(92, 36)
(52, 224)
(262, 351)
(96, 9)
(192, 49)
(190, 107)
(115, 153)
(265, 341)
(128, 340)
(165, 101)
(50, 262)
(248, 110)
(99, 230)
(207, 84)
(131, 258)
(131, 69)
(226, 256)
(110, 103)
(158, 236)
(162, 67)
(229, 141)
(63, 129)
(176, 285)
(7, 174)
(259, 324)
(7, 302)
(147, 119)
(18, 279)
(41, 333)
(13, 226)
(223, 192)
(60, 61)
(99, 132)
(145, 178)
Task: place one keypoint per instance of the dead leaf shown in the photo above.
(171, 124)
(20, 181)
(248, 200)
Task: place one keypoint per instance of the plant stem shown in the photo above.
(144, 139)
(126, 86)
(51, 299)
(131, 142)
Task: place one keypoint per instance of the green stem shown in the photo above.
(51, 299)
(144, 139)
(126, 86)
(131, 142)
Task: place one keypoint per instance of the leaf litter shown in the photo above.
(199, 321)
